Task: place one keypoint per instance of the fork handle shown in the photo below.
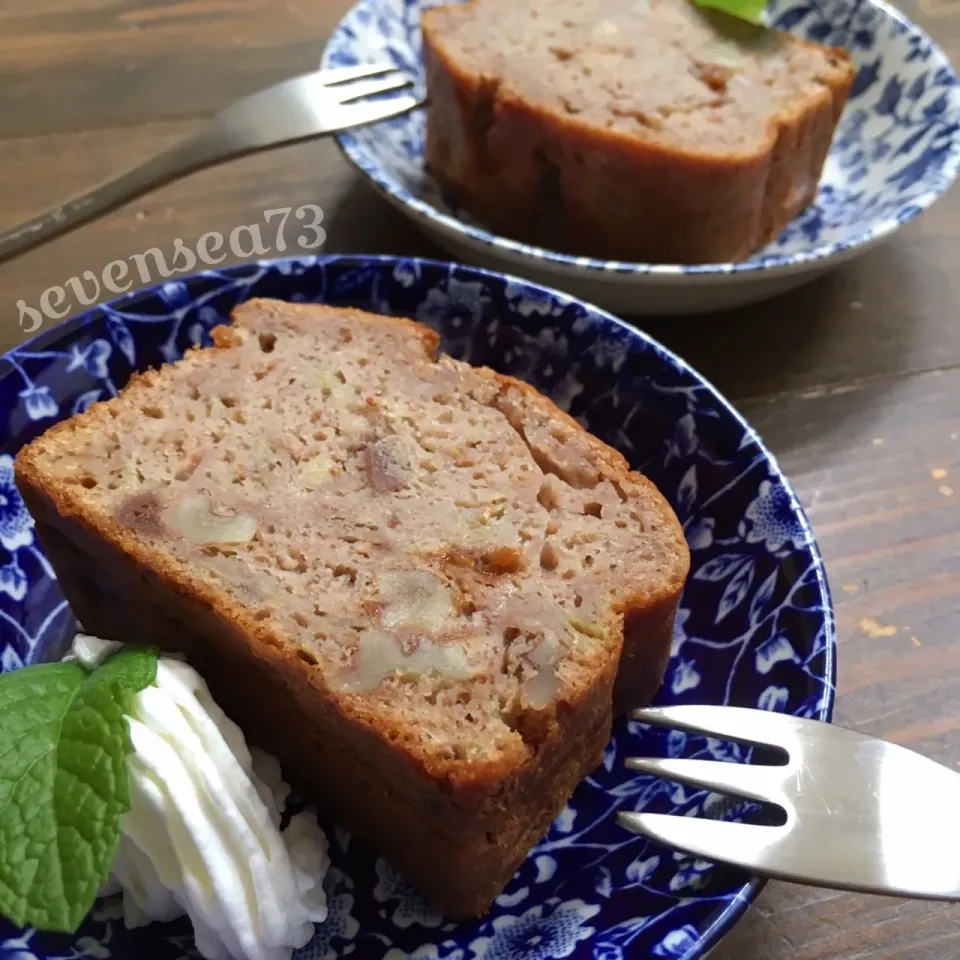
(184, 157)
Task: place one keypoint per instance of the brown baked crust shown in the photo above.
(457, 831)
(546, 177)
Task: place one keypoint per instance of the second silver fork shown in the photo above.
(304, 107)
(860, 813)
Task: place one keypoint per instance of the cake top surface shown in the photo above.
(446, 553)
(658, 70)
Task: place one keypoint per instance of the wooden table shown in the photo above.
(854, 380)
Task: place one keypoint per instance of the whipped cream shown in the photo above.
(202, 836)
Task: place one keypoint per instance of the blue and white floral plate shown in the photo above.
(896, 151)
(755, 627)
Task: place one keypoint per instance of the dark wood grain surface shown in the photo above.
(854, 380)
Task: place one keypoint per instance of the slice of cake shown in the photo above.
(642, 130)
(419, 584)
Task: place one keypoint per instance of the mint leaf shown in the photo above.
(63, 783)
(749, 10)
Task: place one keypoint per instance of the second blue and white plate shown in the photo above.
(896, 151)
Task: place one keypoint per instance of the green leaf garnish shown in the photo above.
(64, 786)
(749, 10)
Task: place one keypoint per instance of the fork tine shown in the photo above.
(739, 724)
(721, 841)
(369, 88)
(360, 72)
(742, 779)
(356, 114)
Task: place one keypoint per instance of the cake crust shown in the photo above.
(458, 815)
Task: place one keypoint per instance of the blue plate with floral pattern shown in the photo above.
(755, 626)
(895, 152)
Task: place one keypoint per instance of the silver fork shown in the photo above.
(304, 107)
(861, 813)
